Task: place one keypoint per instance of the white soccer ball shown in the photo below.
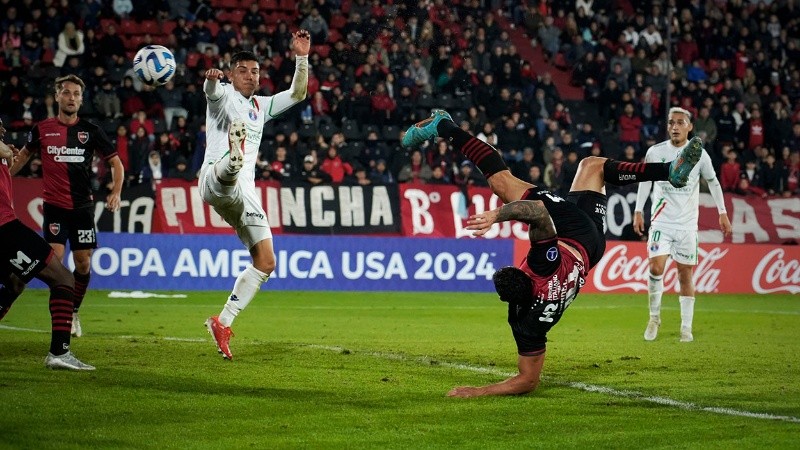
(154, 65)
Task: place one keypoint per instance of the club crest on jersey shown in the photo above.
(654, 247)
(83, 136)
(252, 114)
(55, 228)
(552, 254)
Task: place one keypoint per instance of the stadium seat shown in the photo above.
(150, 27)
(369, 128)
(322, 50)
(425, 101)
(285, 127)
(127, 27)
(334, 36)
(458, 115)
(338, 21)
(391, 133)
(351, 131)
(307, 131)
(192, 59)
(267, 5)
(269, 129)
(327, 130)
(236, 17)
(445, 101)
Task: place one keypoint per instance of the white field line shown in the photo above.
(428, 361)
(431, 307)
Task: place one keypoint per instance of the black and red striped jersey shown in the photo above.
(7, 213)
(67, 152)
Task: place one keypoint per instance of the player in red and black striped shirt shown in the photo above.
(24, 255)
(67, 145)
(566, 236)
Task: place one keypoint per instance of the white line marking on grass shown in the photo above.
(6, 327)
(664, 401)
(688, 406)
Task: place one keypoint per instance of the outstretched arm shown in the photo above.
(719, 199)
(301, 44)
(530, 367)
(531, 212)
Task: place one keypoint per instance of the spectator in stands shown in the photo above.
(706, 128)
(181, 170)
(374, 150)
(172, 98)
(122, 8)
(730, 172)
(416, 170)
(381, 174)
(773, 175)
(468, 176)
(550, 38)
(140, 119)
(630, 127)
(752, 132)
(107, 101)
(153, 171)
(420, 75)
(488, 134)
(334, 166)
(316, 25)
(70, 43)
(554, 173)
(383, 105)
(310, 173)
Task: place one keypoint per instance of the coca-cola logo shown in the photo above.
(774, 273)
(617, 271)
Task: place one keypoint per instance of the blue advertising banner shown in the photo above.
(202, 262)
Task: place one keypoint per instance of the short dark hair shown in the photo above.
(71, 78)
(242, 56)
(513, 285)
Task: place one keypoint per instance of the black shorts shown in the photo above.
(579, 218)
(75, 225)
(22, 251)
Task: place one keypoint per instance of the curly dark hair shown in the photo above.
(513, 285)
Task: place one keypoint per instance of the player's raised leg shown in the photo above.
(485, 157)
(228, 167)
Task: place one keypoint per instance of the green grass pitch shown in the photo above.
(370, 370)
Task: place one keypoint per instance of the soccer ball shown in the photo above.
(154, 65)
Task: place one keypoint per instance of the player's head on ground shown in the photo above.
(679, 125)
(244, 72)
(513, 285)
(69, 94)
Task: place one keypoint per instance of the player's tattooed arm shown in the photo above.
(531, 212)
(5, 152)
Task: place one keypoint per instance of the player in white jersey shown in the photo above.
(235, 120)
(673, 230)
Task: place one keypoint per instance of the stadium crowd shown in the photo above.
(378, 66)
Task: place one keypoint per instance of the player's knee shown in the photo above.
(266, 266)
(592, 163)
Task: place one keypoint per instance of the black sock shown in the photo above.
(81, 283)
(61, 303)
(485, 157)
(7, 297)
(622, 173)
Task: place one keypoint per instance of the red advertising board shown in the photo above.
(721, 268)
(437, 211)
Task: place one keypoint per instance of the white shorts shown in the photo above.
(681, 245)
(239, 207)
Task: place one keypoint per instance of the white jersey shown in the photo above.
(677, 208)
(232, 105)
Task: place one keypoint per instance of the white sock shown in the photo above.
(655, 288)
(245, 289)
(224, 171)
(687, 311)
